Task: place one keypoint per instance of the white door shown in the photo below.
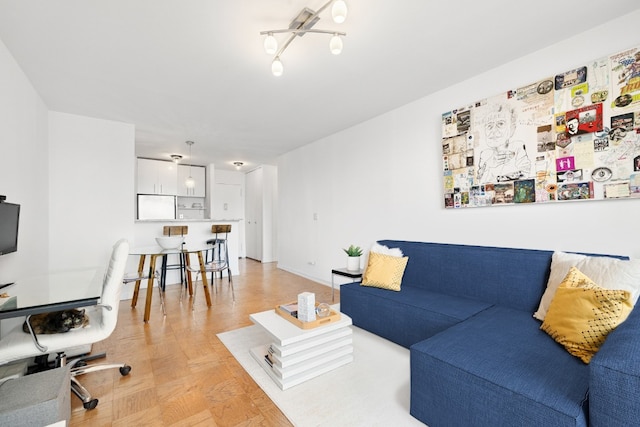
(253, 211)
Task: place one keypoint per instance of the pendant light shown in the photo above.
(339, 11)
(335, 44)
(190, 182)
(270, 44)
(277, 67)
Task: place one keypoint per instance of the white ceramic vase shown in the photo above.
(353, 263)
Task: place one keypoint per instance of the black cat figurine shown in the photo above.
(57, 322)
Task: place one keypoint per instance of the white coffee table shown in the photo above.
(297, 355)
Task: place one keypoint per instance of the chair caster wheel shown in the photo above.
(90, 404)
(125, 370)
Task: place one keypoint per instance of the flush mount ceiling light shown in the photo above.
(176, 158)
(238, 165)
(301, 25)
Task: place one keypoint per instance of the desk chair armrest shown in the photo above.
(34, 337)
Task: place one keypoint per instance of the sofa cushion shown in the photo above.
(381, 249)
(614, 378)
(608, 272)
(404, 317)
(503, 276)
(497, 368)
(384, 271)
(582, 314)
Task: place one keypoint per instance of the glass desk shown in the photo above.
(52, 292)
(57, 291)
(153, 252)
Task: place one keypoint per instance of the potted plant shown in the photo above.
(353, 261)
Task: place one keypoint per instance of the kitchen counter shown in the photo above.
(212, 221)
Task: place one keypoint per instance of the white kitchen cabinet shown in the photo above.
(157, 177)
(198, 173)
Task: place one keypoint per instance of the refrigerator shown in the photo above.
(152, 206)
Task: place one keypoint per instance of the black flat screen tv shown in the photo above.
(9, 221)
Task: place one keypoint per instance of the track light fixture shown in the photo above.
(301, 25)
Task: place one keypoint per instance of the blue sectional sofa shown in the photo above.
(479, 358)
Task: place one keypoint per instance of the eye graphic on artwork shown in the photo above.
(623, 100)
(545, 87)
(601, 174)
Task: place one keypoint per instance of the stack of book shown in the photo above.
(291, 308)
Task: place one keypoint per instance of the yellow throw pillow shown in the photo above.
(384, 271)
(582, 314)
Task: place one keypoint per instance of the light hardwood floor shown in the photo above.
(182, 375)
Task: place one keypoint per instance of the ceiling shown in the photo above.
(196, 70)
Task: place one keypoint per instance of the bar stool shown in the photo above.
(174, 230)
(216, 259)
(138, 277)
(221, 233)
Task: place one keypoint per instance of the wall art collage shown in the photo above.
(572, 136)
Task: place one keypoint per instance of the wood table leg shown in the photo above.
(187, 261)
(136, 288)
(205, 283)
(147, 305)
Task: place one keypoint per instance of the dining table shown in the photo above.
(156, 251)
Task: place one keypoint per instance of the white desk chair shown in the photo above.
(17, 345)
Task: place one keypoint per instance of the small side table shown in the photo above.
(355, 274)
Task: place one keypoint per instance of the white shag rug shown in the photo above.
(373, 390)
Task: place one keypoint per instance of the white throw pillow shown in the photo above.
(610, 273)
(381, 249)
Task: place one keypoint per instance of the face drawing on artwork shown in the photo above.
(502, 159)
(572, 126)
(498, 128)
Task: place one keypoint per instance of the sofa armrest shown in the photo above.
(614, 377)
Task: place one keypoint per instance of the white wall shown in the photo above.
(24, 153)
(91, 181)
(72, 175)
(382, 179)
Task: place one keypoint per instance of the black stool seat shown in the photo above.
(219, 251)
(174, 230)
